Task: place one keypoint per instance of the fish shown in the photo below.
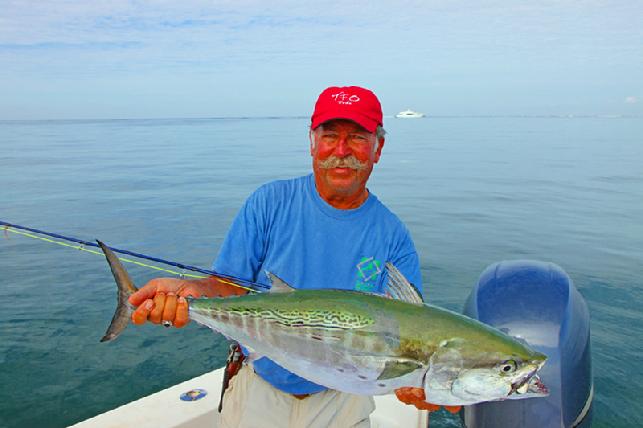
(364, 343)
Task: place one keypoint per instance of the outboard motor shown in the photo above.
(537, 302)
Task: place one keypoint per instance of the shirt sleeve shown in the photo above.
(243, 249)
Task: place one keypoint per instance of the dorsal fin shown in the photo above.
(278, 285)
(398, 287)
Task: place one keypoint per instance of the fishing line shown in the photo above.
(24, 231)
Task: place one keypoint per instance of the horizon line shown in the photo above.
(441, 116)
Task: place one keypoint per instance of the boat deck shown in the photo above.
(166, 409)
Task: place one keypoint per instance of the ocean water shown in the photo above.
(473, 191)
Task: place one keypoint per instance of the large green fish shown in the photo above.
(364, 343)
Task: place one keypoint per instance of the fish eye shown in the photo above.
(508, 366)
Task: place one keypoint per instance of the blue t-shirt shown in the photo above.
(286, 228)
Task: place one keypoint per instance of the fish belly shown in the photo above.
(347, 360)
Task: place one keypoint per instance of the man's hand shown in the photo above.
(416, 397)
(163, 299)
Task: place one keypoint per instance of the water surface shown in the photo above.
(473, 191)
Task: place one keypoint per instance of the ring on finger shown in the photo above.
(167, 323)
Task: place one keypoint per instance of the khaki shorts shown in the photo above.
(251, 402)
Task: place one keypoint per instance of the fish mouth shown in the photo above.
(529, 384)
(537, 387)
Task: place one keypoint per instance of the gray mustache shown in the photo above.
(347, 162)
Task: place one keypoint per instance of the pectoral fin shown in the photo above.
(398, 368)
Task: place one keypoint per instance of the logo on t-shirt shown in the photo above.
(368, 270)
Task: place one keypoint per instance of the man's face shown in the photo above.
(343, 157)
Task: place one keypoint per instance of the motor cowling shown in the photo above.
(537, 302)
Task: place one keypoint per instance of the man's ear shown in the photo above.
(379, 144)
(311, 137)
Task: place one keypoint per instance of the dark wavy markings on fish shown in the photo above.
(295, 318)
(287, 328)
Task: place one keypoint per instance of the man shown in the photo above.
(324, 230)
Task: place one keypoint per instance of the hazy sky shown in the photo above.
(128, 59)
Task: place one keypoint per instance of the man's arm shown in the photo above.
(163, 299)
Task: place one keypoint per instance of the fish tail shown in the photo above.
(126, 288)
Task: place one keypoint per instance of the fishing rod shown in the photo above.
(41, 235)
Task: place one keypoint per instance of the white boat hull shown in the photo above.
(166, 409)
(409, 114)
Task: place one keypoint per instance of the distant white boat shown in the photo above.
(409, 114)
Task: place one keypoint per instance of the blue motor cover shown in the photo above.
(537, 302)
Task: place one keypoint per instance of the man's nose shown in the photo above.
(342, 149)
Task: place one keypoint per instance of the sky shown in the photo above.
(171, 59)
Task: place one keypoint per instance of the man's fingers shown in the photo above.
(146, 292)
(418, 393)
(181, 318)
(169, 311)
(156, 285)
(139, 316)
(423, 405)
(410, 394)
(404, 396)
(159, 305)
(417, 398)
(190, 290)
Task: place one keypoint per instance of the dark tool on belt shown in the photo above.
(235, 358)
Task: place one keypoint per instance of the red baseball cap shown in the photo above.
(348, 102)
